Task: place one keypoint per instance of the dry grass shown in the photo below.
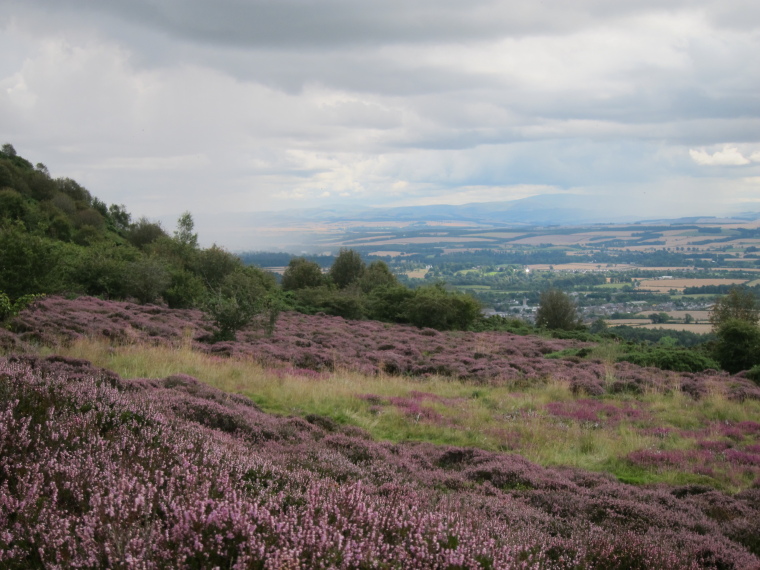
(448, 411)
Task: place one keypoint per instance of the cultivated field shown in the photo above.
(679, 284)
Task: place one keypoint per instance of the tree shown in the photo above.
(144, 232)
(346, 268)
(213, 264)
(738, 304)
(120, 217)
(377, 274)
(738, 345)
(184, 232)
(300, 274)
(557, 311)
(659, 318)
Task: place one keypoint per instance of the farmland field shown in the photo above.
(681, 284)
(700, 328)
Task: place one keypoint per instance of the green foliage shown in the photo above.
(241, 296)
(9, 309)
(301, 273)
(347, 303)
(387, 302)
(432, 306)
(738, 304)
(214, 264)
(376, 275)
(501, 323)
(119, 217)
(659, 318)
(102, 270)
(639, 334)
(144, 232)
(557, 311)
(185, 291)
(31, 264)
(599, 326)
(738, 345)
(13, 206)
(347, 268)
(184, 232)
(754, 374)
(147, 279)
(668, 358)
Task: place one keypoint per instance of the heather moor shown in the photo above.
(165, 405)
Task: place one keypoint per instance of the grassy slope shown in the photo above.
(659, 436)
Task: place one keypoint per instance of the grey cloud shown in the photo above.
(327, 24)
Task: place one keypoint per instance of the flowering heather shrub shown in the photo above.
(594, 412)
(323, 344)
(98, 471)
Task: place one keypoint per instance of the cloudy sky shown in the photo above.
(252, 105)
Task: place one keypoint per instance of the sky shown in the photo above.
(650, 107)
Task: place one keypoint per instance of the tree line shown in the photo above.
(57, 238)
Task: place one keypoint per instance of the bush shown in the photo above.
(241, 296)
(348, 303)
(385, 303)
(32, 264)
(678, 360)
(754, 374)
(738, 345)
(434, 307)
(147, 279)
(502, 324)
(9, 309)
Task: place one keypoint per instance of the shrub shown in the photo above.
(9, 309)
(242, 296)
(678, 360)
(754, 374)
(434, 307)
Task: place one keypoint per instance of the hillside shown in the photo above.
(161, 468)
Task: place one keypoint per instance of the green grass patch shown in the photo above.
(514, 417)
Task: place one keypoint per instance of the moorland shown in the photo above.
(165, 405)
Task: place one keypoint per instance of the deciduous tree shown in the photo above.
(738, 304)
(557, 311)
(346, 268)
(300, 274)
